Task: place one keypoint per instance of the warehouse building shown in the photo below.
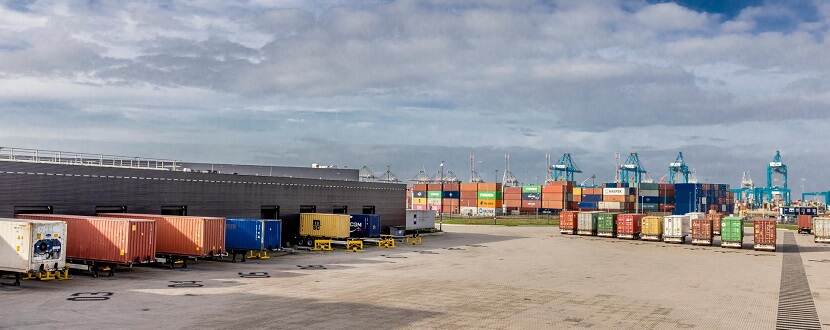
(36, 181)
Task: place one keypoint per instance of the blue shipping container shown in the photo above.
(650, 199)
(419, 194)
(247, 234)
(588, 205)
(592, 198)
(365, 225)
(531, 196)
(450, 194)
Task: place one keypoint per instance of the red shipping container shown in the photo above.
(513, 202)
(805, 223)
(764, 234)
(450, 209)
(187, 236)
(568, 222)
(512, 196)
(702, 231)
(419, 207)
(531, 204)
(434, 187)
(628, 225)
(715, 218)
(106, 240)
(419, 187)
(512, 190)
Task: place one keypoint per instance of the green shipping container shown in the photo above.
(489, 195)
(607, 224)
(532, 188)
(732, 229)
(433, 194)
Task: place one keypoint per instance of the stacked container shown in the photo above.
(32, 246)
(489, 199)
(434, 197)
(651, 228)
(568, 222)
(251, 234)
(715, 218)
(469, 199)
(666, 197)
(629, 225)
(676, 228)
(556, 195)
(618, 199)
(607, 224)
(365, 226)
(450, 198)
(821, 229)
(512, 198)
(805, 223)
(732, 232)
(701, 197)
(764, 234)
(701, 231)
(184, 236)
(101, 240)
(587, 223)
(419, 197)
(590, 198)
(649, 197)
(531, 198)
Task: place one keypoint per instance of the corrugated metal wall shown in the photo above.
(79, 189)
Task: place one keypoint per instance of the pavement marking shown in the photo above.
(796, 308)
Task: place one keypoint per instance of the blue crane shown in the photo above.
(824, 194)
(680, 169)
(564, 169)
(631, 171)
(777, 170)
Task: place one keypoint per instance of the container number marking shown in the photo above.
(254, 275)
(90, 296)
(186, 284)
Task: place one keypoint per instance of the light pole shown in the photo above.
(441, 211)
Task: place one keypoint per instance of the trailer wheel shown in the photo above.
(309, 242)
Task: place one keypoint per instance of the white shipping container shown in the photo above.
(469, 211)
(695, 215)
(32, 245)
(614, 191)
(488, 212)
(650, 193)
(609, 205)
(586, 222)
(676, 226)
(420, 219)
(821, 229)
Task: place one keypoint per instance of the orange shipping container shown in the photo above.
(489, 187)
(419, 187)
(513, 202)
(614, 198)
(513, 196)
(553, 196)
(451, 187)
(106, 240)
(469, 187)
(512, 190)
(468, 202)
(553, 205)
(577, 198)
(592, 191)
(469, 194)
(489, 203)
(188, 236)
(434, 187)
(568, 222)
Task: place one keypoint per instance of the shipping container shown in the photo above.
(764, 231)
(568, 222)
(435, 187)
(489, 212)
(651, 228)
(419, 194)
(715, 218)
(628, 225)
(434, 194)
(451, 186)
(419, 201)
(531, 204)
(676, 228)
(322, 225)
(420, 220)
(732, 232)
(32, 246)
(821, 229)
(450, 194)
(701, 231)
(486, 186)
(469, 211)
(105, 241)
(587, 223)
(532, 196)
(184, 236)
(365, 226)
(607, 224)
(532, 189)
(489, 195)
(251, 234)
(419, 187)
(469, 187)
(805, 223)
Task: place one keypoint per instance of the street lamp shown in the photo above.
(441, 211)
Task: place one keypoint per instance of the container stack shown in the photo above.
(590, 198)
(489, 199)
(513, 199)
(419, 197)
(450, 202)
(618, 199)
(666, 194)
(701, 197)
(649, 197)
(557, 195)
(469, 199)
(434, 197)
(531, 199)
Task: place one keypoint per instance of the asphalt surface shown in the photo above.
(490, 277)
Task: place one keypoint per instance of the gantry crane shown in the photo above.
(680, 169)
(564, 169)
(777, 170)
(631, 171)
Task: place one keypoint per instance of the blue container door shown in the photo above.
(243, 234)
(374, 226)
(272, 239)
(365, 225)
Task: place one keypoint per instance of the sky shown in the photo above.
(413, 83)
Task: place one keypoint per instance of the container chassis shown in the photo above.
(731, 244)
(567, 231)
(655, 238)
(764, 247)
(674, 239)
(606, 234)
(821, 239)
(586, 232)
(698, 241)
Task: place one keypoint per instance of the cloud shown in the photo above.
(415, 82)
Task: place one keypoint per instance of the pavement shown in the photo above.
(482, 277)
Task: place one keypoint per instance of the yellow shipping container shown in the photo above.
(489, 203)
(577, 191)
(419, 201)
(325, 225)
(652, 226)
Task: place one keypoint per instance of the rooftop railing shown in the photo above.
(10, 154)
